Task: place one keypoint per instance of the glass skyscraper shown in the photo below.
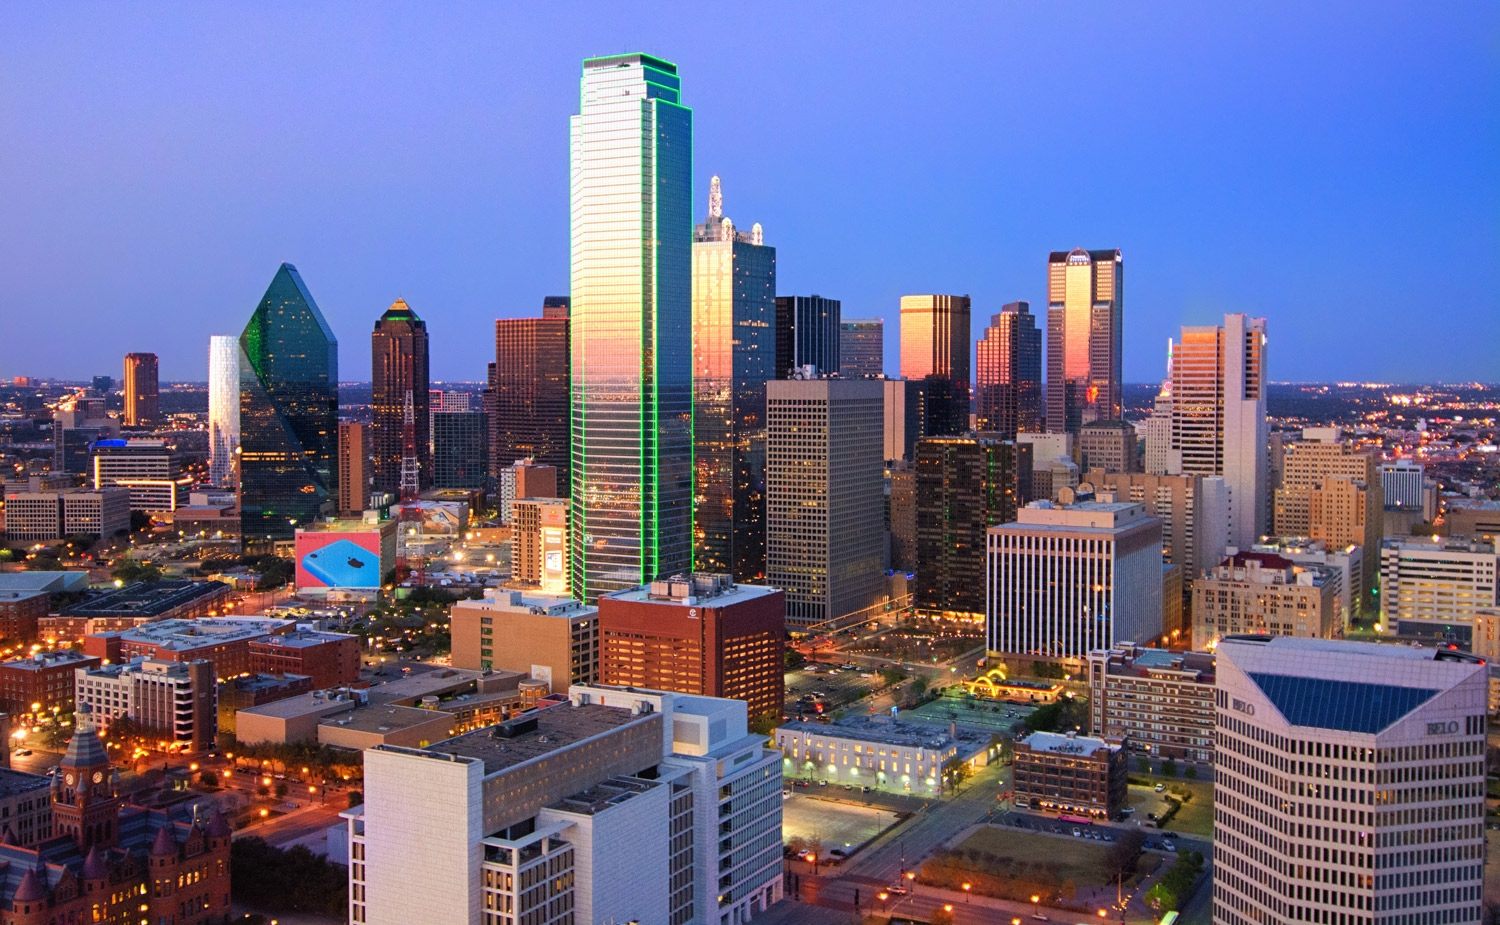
(289, 374)
(223, 407)
(398, 365)
(1009, 381)
(1085, 318)
(808, 333)
(632, 347)
(529, 390)
(734, 308)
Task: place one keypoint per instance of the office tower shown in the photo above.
(1085, 316)
(1051, 465)
(1009, 376)
(460, 449)
(1330, 491)
(77, 424)
(525, 478)
(1344, 565)
(1403, 484)
(1159, 435)
(1065, 580)
(698, 634)
(150, 469)
(354, 467)
(38, 515)
(824, 542)
(289, 411)
(1376, 758)
(140, 390)
(1432, 587)
(734, 310)
(539, 544)
(439, 400)
(1219, 416)
(905, 418)
(862, 348)
(632, 334)
(102, 385)
(530, 390)
(935, 337)
(223, 409)
(1108, 445)
(1069, 773)
(1193, 510)
(398, 367)
(1258, 592)
(807, 334)
(177, 701)
(902, 518)
(964, 486)
(615, 806)
(1162, 700)
(544, 636)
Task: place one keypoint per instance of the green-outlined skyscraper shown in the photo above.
(631, 351)
(289, 411)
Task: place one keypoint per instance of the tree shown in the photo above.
(209, 778)
(1143, 764)
(132, 571)
(919, 687)
(281, 790)
(1120, 860)
(1191, 772)
(295, 880)
(941, 916)
(1169, 768)
(793, 659)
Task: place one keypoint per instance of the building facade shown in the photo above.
(1344, 565)
(935, 338)
(529, 388)
(825, 543)
(1108, 445)
(223, 409)
(1157, 701)
(399, 368)
(862, 348)
(460, 449)
(141, 389)
(876, 751)
(539, 544)
(1432, 588)
(808, 332)
(330, 659)
(1008, 383)
(1085, 319)
(1331, 491)
(42, 683)
(550, 638)
(631, 335)
(150, 470)
(1349, 782)
(1254, 592)
(964, 486)
(42, 516)
(354, 467)
(1069, 773)
(179, 700)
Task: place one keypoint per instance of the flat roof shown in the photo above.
(347, 525)
(605, 794)
(1057, 743)
(384, 718)
(12, 597)
(184, 635)
(869, 729)
(16, 782)
(50, 582)
(304, 639)
(48, 660)
(557, 727)
(736, 594)
(144, 599)
(301, 705)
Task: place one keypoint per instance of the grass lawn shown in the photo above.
(1196, 816)
(1081, 860)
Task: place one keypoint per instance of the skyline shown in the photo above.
(154, 201)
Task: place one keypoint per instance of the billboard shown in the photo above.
(339, 560)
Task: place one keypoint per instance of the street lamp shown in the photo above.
(1036, 911)
(883, 896)
(967, 888)
(911, 878)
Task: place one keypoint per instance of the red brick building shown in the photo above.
(20, 612)
(330, 659)
(42, 682)
(701, 634)
(224, 642)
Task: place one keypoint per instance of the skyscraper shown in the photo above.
(223, 408)
(140, 389)
(354, 467)
(1009, 381)
(964, 486)
(734, 307)
(289, 409)
(632, 313)
(861, 348)
(398, 365)
(460, 449)
(1219, 416)
(935, 351)
(1085, 297)
(529, 390)
(807, 334)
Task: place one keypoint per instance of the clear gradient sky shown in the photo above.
(1332, 166)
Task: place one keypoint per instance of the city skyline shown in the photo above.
(1363, 181)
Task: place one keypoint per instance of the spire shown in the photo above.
(31, 888)
(9, 837)
(715, 199)
(95, 867)
(164, 844)
(218, 826)
(84, 749)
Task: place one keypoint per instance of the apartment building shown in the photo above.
(178, 699)
(1254, 592)
(1156, 701)
(554, 639)
(1070, 773)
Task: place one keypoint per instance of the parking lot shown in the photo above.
(837, 688)
(834, 824)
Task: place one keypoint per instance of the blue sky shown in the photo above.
(1334, 167)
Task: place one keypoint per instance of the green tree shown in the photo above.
(1143, 764)
(1169, 768)
(132, 571)
(1191, 772)
(294, 880)
(919, 687)
(793, 659)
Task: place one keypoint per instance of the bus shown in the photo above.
(1169, 919)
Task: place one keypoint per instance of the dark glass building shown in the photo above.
(289, 373)
(528, 393)
(398, 365)
(1009, 382)
(964, 486)
(807, 333)
(460, 449)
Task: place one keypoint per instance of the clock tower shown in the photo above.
(85, 797)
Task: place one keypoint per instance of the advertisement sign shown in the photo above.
(338, 560)
(554, 560)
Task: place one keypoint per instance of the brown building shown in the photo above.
(1261, 592)
(256, 690)
(698, 634)
(1070, 773)
(1473, 517)
(1108, 445)
(224, 642)
(25, 807)
(330, 659)
(1154, 700)
(901, 515)
(1008, 381)
(398, 368)
(112, 861)
(19, 613)
(143, 602)
(555, 639)
(528, 390)
(41, 683)
(140, 389)
(539, 544)
(354, 467)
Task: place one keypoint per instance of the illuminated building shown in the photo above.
(289, 374)
(734, 308)
(150, 469)
(223, 408)
(460, 449)
(631, 337)
(176, 700)
(1085, 316)
(964, 486)
(544, 636)
(140, 388)
(935, 351)
(1157, 701)
(1008, 387)
(528, 390)
(398, 358)
(354, 467)
(1331, 491)
(807, 334)
(1259, 592)
(539, 544)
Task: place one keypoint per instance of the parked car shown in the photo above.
(1160, 787)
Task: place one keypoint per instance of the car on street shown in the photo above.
(896, 889)
(1169, 846)
(1077, 832)
(23, 752)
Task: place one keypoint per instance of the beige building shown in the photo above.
(1431, 589)
(1193, 510)
(1332, 492)
(1108, 445)
(553, 639)
(1156, 701)
(539, 544)
(1255, 592)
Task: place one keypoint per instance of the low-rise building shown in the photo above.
(1257, 592)
(177, 699)
(25, 808)
(43, 516)
(330, 659)
(20, 612)
(244, 692)
(1072, 774)
(146, 602)
(224, 642)
(877, 751)
(554, 639)
(42, 683)
(1156, 701)
(1344, 563)
(1473, 517)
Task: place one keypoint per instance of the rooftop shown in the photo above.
(12, 597)
(14, 782)
(1139, 661)
(696, 590)
(509, 601)
(1084, 515)
(384, 718)
(555, 728)
(347, 525)
(145, 599)
(183, 635)
(49, 660)
(1060, 744)
(50, 582)
(882, 730)
(603, 795)
(303, 639)
(1438, 544)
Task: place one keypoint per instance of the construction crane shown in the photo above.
(411, 513)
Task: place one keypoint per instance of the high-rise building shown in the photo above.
(1344, 565)
(1331, 491)
(861, 348)
(1193, 510)
(1219, 416)
(1431, 588)
(77, 424)
(1403, 484)
(617, 805)
(289, 411)
(1160, 701)
(1108, 445)
(901, 517)
(1158, 429)
(539, 544)
(1350, 782)
(734, 310)
(905, 415)
(632, 333)
(150, 469)
(1008, 385)
(525, 478)
(102, 385)
(807, 334)
(935, 338)
(1258, 592)
(354, 467)
(529, 386)
(698, 634)
(141, 408)
(223, 409)
(824, 537)
(460, 449)
(1064, 581)
(398, 358)
(1085, 317)
(176, 700)
(964, 486)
